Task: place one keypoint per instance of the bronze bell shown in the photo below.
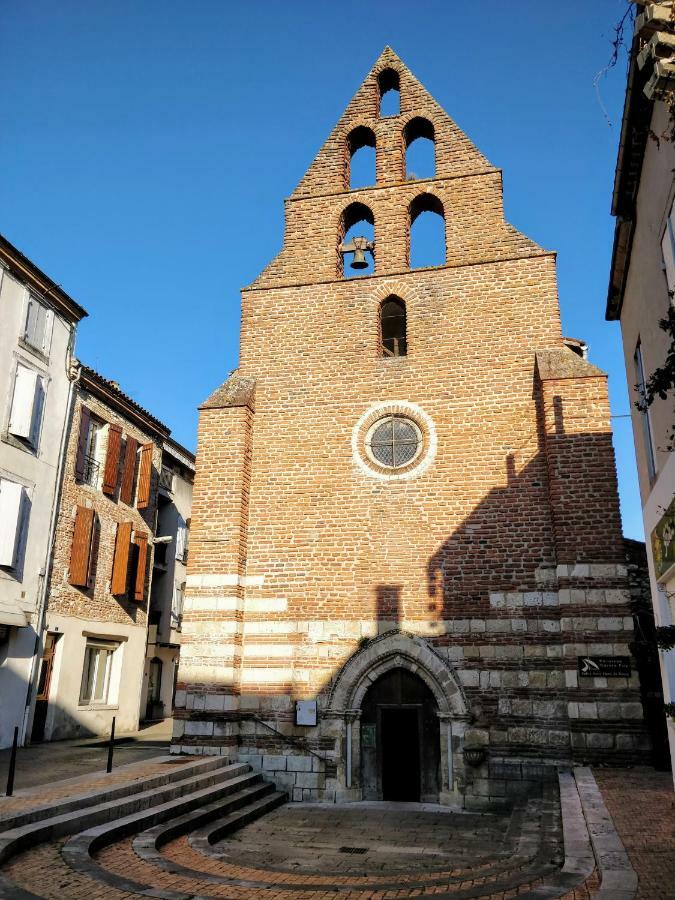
(358, 246)
(359, 260)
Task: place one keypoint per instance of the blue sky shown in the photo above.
(146, 149)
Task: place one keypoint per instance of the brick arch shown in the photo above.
(397, 649)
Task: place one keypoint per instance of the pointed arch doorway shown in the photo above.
(400, 741)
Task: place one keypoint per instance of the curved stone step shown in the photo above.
(176, 771)
(15, 840)
(147, 844)
(77, 853)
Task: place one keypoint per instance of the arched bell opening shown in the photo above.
(361, 152)
(356, 241)
(400, 739)
(420, 149)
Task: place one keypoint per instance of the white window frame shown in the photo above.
(105, 650)
(647, 438)
(43, 345)
(177, 604)
(99, 428)
(181, 539)
(26, 410)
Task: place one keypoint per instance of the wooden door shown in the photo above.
(44, 682)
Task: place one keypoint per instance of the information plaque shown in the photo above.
(305, 712)
(604, 666)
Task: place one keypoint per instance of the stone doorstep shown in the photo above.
(102, 794)
(619, 880)
(15, 840)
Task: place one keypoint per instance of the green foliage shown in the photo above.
(665, 637)
(662, 379)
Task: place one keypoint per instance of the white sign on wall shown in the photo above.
(305, 712)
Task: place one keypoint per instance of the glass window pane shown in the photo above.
(88, 673)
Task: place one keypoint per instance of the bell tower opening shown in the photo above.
(400, 739)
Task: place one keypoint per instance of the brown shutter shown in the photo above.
(85, 416)
(80, 551)
(144, 477)
(129, 470)
(141, 539)
(112, 459)
(121, 559)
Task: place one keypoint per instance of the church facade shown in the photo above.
(406, 559)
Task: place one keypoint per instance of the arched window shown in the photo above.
(420, 149)
(361, 147)
(393, 340)
(357, 221)
(427, 232)
(389, 89)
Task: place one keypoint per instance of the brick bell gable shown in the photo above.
(489, 564)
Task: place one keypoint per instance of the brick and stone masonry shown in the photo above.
(477, 574)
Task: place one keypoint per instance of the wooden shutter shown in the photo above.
(23, 402)
(144, 477)
(80, 551)
(112, 459)
(121, 559)
(141, 539)
(128, 471)
(85, 416)
(11, 502)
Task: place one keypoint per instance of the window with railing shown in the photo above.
(91, 470)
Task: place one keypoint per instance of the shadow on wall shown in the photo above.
(496, 550)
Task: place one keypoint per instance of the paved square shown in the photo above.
(396, 837)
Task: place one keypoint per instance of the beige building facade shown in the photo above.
(642, 291)
(38, 321)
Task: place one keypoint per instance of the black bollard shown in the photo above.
(111, 746)
(12, 763)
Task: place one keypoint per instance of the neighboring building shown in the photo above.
(406, 557)
(168, 580)
(37, 338)
(95, 630)
(642, 287)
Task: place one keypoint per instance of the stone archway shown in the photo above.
(389, 651)
(396, 649)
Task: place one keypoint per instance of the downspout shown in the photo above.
(73, 374)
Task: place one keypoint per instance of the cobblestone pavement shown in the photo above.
(642, 805)
(386, 837)
(298, 851)
(53, 761)
(295, 852)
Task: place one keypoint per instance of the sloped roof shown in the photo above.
(110, 392)
(236, 391)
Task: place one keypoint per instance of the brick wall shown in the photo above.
(96, 601)
(500, 550)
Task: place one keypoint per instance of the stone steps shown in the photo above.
(242, 799)
(59, 823)
(176, 770)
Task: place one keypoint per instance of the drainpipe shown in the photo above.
(73, 371)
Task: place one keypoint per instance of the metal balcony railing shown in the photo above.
(90, 471)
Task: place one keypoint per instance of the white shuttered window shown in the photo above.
(25, 418)
(181, 539)
(11, 502)
(38, 330)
